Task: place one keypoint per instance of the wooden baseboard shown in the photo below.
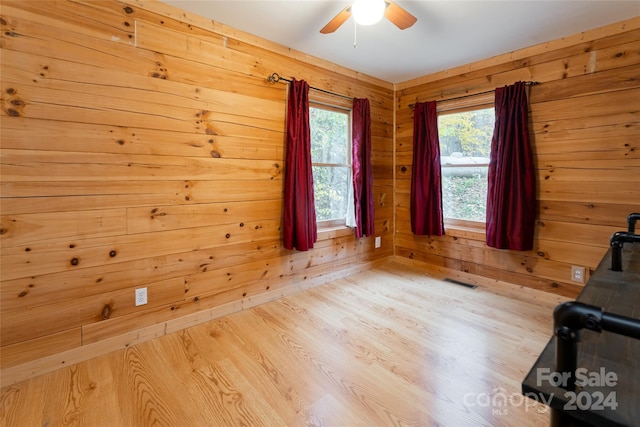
(473, 279)
(24, 371)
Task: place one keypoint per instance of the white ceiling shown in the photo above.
(448, 33)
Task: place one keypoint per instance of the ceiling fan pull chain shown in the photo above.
(355, 34)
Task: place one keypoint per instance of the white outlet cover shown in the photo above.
(378, 241)
(141, 296)
(577, 274)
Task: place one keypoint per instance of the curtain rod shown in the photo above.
(476, 94)
(275, 77)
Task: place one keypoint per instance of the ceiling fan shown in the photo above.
(394, 13)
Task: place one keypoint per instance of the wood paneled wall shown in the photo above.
(143, 147)
(585, 131)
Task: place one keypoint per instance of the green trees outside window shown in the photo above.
(465, 144)
(331, 161)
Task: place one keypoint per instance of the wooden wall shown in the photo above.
(585, 132)
(143, 147)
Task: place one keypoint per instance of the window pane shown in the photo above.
(466, 134)
(329, 135)
(465, 144)
(331, 188)
(465, 197)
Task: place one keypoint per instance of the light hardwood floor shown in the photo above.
(389, 347)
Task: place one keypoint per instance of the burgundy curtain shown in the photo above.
(511, 194)
(361, 168)
(299, 219)
(426, 181)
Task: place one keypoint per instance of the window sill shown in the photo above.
(332, 231)
(465, 229)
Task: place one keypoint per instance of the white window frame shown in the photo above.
(460, 105)
(345, 109)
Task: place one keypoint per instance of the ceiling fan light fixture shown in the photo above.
(368, 12)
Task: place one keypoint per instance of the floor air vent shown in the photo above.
(457, 282)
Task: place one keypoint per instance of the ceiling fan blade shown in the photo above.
(400, 17)
(335, 23)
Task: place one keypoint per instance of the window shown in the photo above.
(465, 144)
(331, 163)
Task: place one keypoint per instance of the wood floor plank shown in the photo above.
(270, 377)
(230, 399)
(393, 346)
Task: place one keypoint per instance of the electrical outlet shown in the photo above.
(378, 241)
(141, 296)
(577, 274)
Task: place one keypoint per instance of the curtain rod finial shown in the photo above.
(273, 78)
